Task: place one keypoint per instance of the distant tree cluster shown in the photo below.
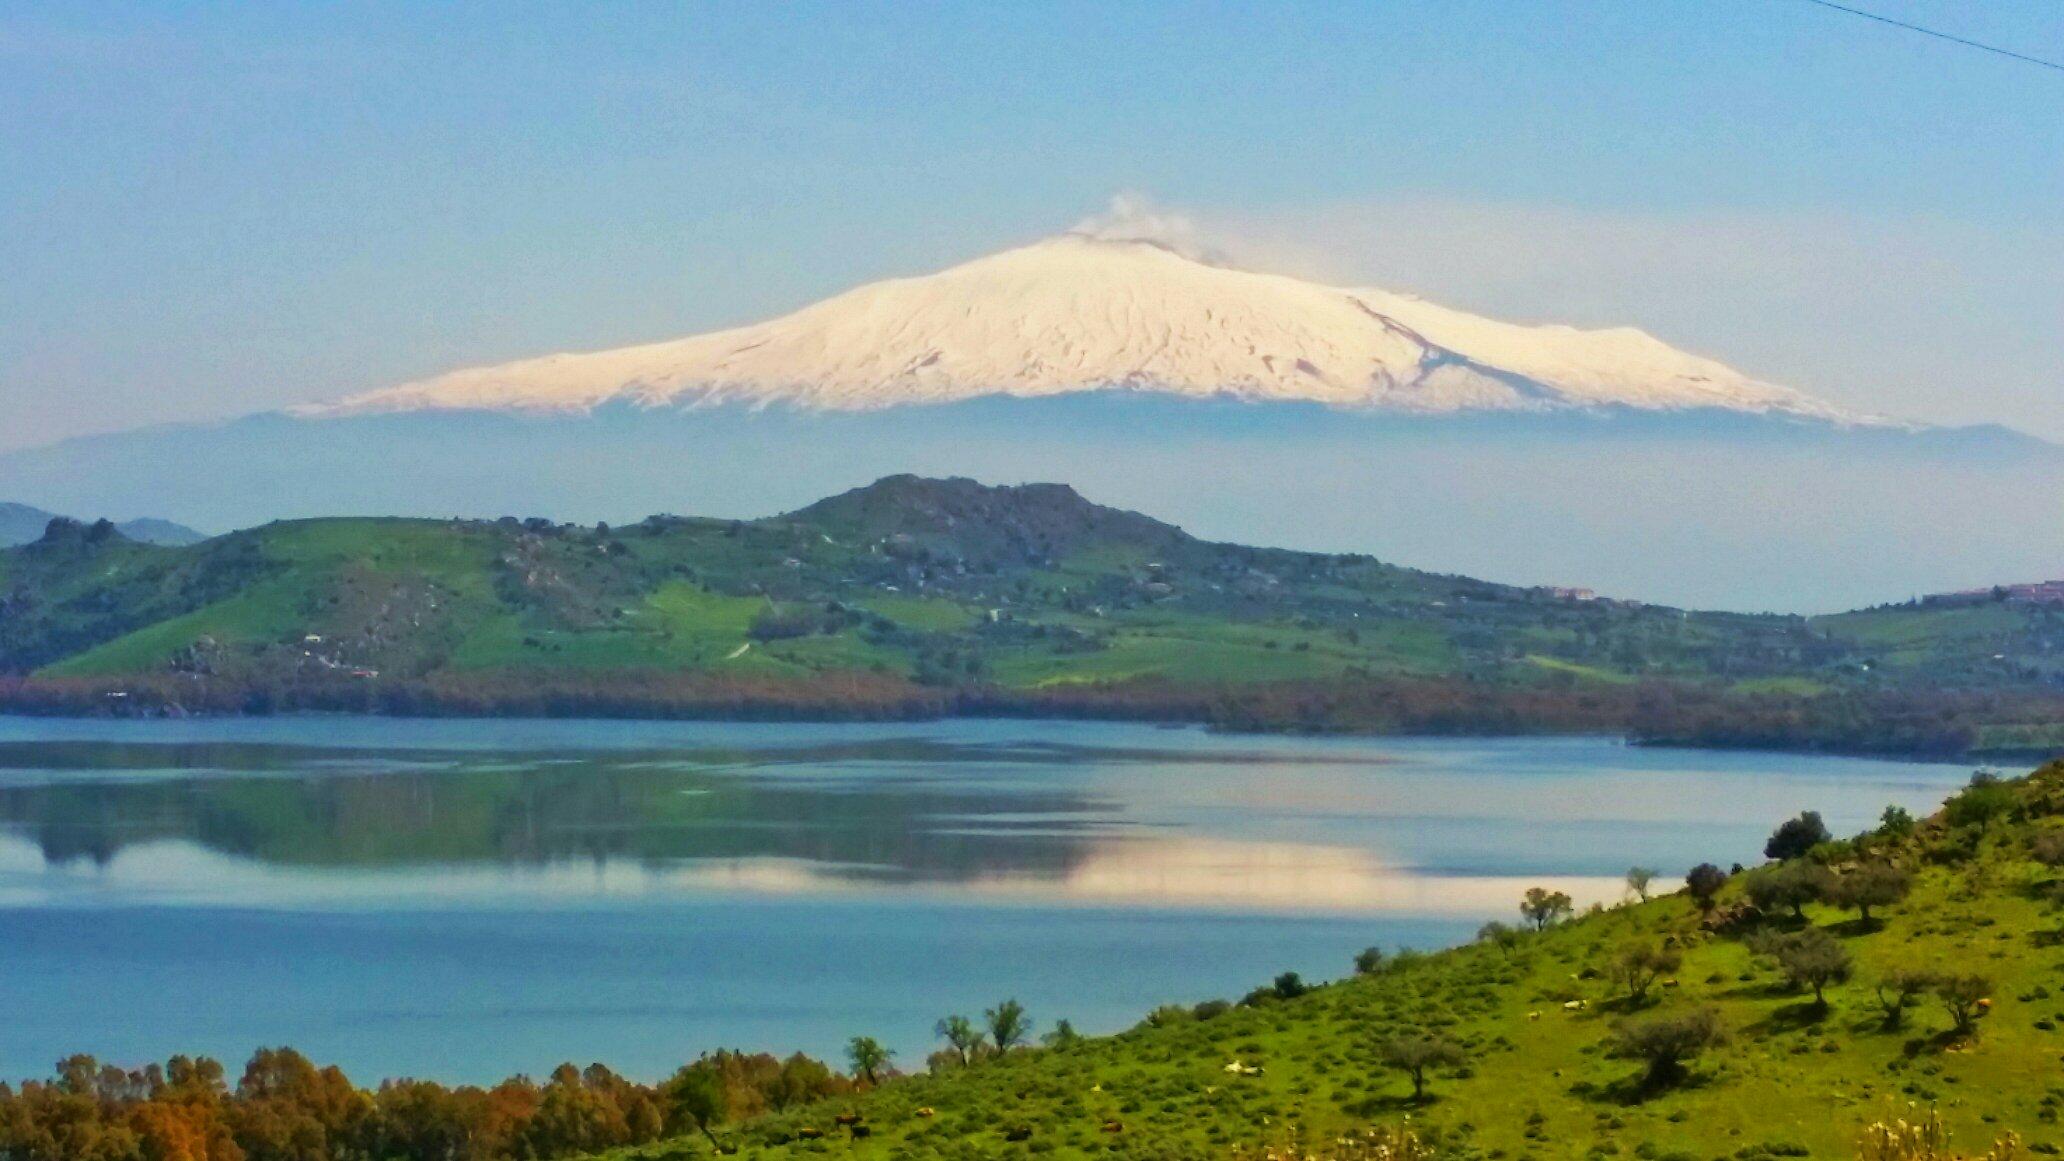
(847, 695)
(284, 1108)
(950, 675)
(1002, 1029)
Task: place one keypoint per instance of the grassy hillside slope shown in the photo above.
(1532, 1018)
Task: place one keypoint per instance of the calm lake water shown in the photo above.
(463, 900)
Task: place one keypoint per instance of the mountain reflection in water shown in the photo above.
(1092, 815)
(462, 899)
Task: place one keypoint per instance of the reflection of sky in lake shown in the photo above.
(292, 813)
(539, 862)
(306, 812)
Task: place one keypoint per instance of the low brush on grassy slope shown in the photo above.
(1543, 1025)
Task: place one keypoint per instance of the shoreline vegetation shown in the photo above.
(1993, 726)
(1869, 996)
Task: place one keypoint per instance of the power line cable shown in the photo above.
(1953, 39)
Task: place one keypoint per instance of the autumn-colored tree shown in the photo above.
(287, 1109)
(800, 1080)
(182, 1131)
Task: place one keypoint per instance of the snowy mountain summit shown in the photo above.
(1082, 312)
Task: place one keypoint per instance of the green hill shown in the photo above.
(1537, 1029)
(920, 596)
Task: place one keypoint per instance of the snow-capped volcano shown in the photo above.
(1079, 312)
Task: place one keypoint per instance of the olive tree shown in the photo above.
(1984, 799)
(1542, 907)
(1897, 822)
(1008, 1025)
(1638, 880)
(1795, 836)
(1502, 936)
(1810, 959)
(1875, 884)
(1639, 965)
(1897, 990)
(962, 1036)
(1665, 1043)
(1789, 886)
(1414, 1055)
(695, 1099)
(868, 1058)
(1704, 882)
(1962, 997)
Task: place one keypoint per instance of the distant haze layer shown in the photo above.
(1696, 509)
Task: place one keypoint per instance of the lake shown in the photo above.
(462, 900)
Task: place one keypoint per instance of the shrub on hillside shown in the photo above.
(1638, 966)
(1502, 936)
(1789, 887)
(1796, 836)
(1667, 1043)
(1289, 986)
(1963, 996)
(1874, 884)
(2047, 848)
(1542, 907)
(1896, 823)
(1808, 959)
(1414, 1054)
(1981, 802)
(1008, 1025)
(1638, 881)
(1704, 882)
(1897, 990)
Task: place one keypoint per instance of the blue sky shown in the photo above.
(206, 210)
